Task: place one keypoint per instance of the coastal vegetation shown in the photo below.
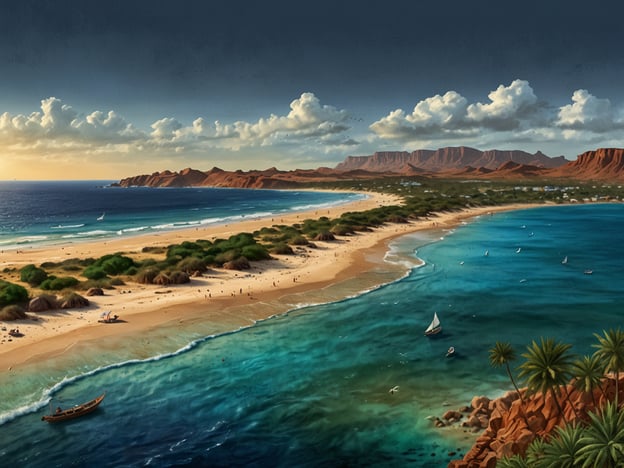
(421, 198)
(589, 431)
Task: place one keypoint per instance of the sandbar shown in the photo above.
(217, 293)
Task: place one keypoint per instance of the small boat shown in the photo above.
(450, 352)
(434, 327)
(519, 250)
(565, 260)
(74, 412)
(106, 317)
(487, 252)
(588, 272)
(101, 217)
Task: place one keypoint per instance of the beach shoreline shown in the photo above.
(221, 297)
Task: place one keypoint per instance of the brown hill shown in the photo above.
(601, 164)
(445, 159)
(267, 179)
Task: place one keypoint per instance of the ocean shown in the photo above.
(56, 212)
(311, 387)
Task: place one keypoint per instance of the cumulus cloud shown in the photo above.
(507, 107)
(434, 115)
(58, 121)
(513, 114)
(450, 115)
(307, 119)
(587, 112)
(58, 124)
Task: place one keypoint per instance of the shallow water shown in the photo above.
(310, 388)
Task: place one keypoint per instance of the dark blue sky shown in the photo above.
(303, 84)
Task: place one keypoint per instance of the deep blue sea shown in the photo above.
(57, 212)
(311, 388)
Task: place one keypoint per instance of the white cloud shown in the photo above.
(513, 114)
(165, 128)
(450, 115)
(507, 104)
(436, 114)
(587, 112)
(60, 122)
(56, 123)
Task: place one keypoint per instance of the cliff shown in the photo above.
(505, 419)
(445, 159)
(266, 179)
(601, 164)
(605, 164)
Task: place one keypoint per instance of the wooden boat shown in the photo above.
(434, 327)
(74, 412)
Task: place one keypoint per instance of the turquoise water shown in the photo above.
(310, 388)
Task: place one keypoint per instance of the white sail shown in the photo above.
(434, 326)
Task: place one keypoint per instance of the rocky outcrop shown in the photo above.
(511, 426)
(601, 164)
(267, 179)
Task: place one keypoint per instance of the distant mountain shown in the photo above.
(462, 162)
(445, 159)
(269, 178)
(601, 164)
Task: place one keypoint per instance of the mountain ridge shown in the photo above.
(605, 164)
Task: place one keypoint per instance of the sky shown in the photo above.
(106, 90)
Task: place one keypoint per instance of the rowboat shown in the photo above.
(75, 411)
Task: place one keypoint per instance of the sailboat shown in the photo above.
(101, 217)
(434, 327)
(565, 260)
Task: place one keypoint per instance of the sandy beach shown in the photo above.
(208, 298)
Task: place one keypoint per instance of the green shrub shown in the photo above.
(191, 264)
(54, 283)
(115, 264)
(32, 275)
(255, 252)
(94, 272)
(12, 293)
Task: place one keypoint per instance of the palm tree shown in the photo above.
(603, 440)
(513, 462)
(502, 354)
(588, 372)
(547, 367)
(611, 353)
(562, 450)
(535, 452)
